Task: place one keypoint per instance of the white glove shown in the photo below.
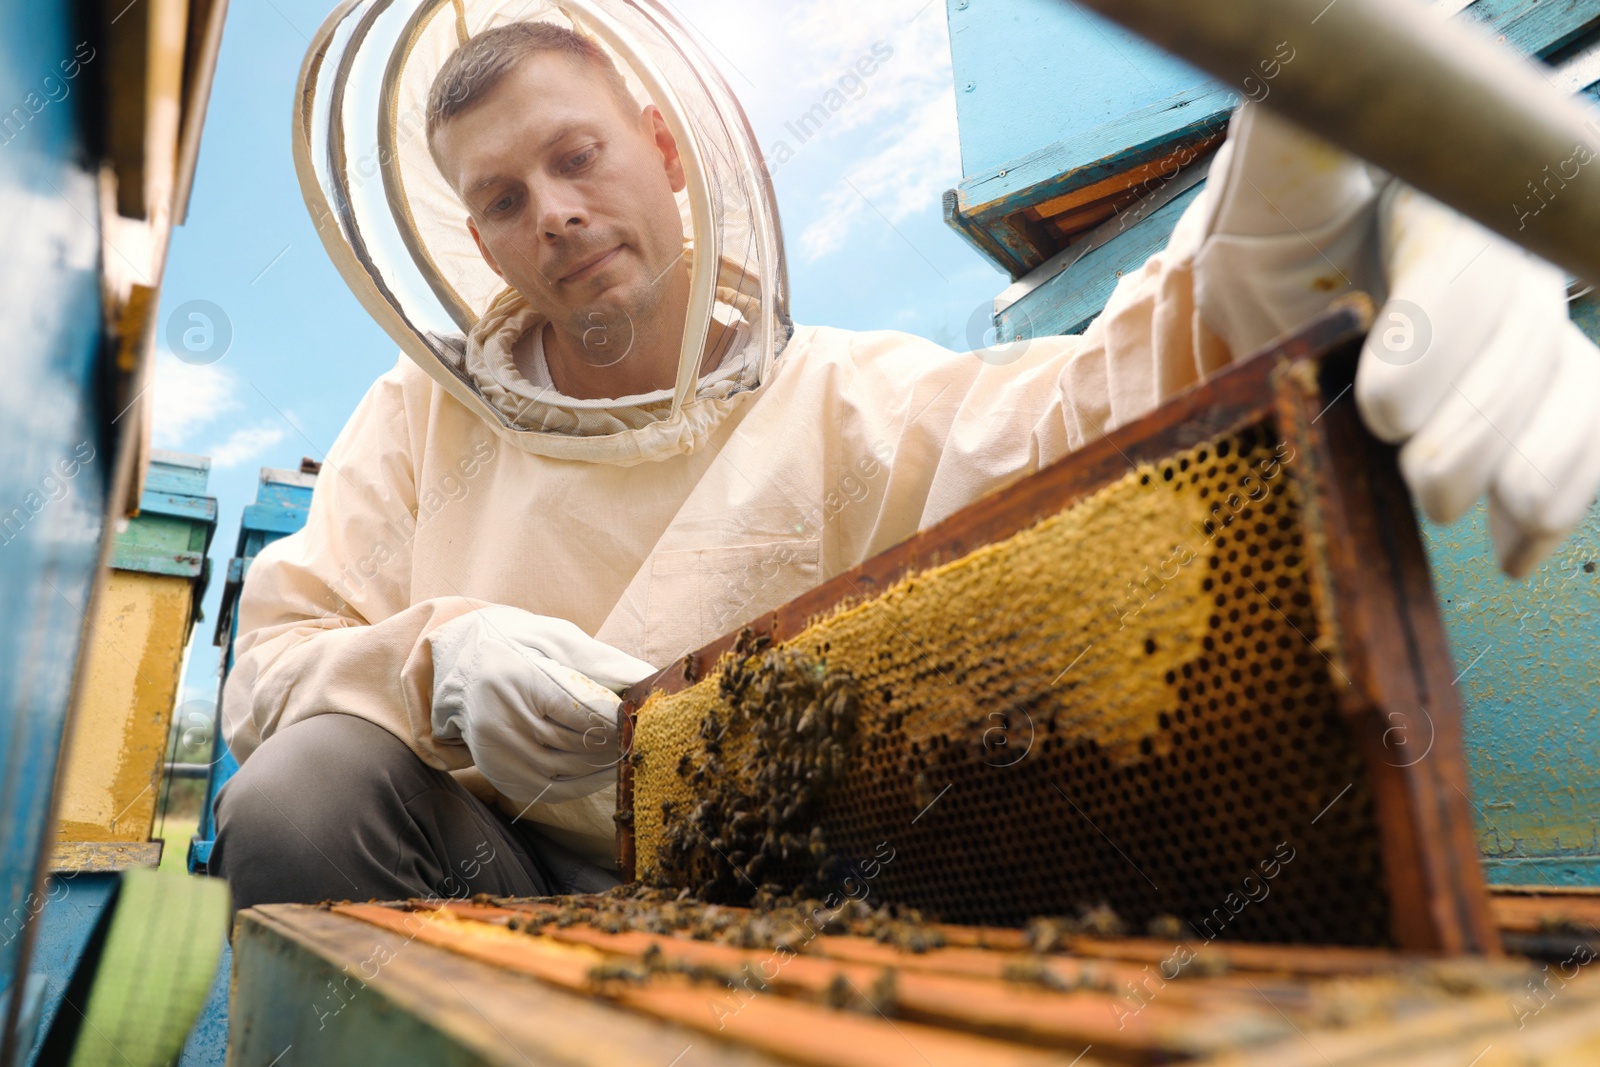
(1471, 363)
(533, 698)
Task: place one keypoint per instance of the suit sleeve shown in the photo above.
(325, 622)
(959, 426)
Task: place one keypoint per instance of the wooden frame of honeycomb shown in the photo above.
(1242, 662)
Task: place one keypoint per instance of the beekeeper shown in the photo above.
(605, 443)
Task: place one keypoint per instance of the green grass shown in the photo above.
(177, 831)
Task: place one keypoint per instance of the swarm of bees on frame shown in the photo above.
(737, 846)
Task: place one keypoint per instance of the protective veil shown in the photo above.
(397, 231)
(654, 523)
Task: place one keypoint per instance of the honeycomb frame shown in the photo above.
(1292, 697)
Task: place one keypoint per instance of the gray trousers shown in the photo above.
(337, 808)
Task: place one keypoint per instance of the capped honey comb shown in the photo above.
(1133, 704)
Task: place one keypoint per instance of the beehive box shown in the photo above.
(111, 773)
(618, 980)
(1193, 672)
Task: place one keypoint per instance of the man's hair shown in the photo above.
(474, 69)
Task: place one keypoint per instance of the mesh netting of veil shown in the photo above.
(410, 224)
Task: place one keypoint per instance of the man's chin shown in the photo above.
(604, 331)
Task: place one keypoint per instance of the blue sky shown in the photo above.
(859, 197)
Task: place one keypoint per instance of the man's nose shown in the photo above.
(560, 211)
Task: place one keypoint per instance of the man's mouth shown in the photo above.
(590, 267)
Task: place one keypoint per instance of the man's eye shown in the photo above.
(582, 159)
(503, 204)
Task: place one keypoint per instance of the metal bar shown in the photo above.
(1435, 103)
(187, 770)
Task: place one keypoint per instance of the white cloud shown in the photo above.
(908, 175)
(187, 398)
(834, 34)
(896, 131)
(908, 110)
(245, 445)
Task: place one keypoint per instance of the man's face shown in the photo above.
(571, 197)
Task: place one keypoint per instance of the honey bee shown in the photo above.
(800, 717)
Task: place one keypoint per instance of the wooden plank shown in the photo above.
(979, 237)
(959, 956)
(1474, 1031)
(990, 209)
(969, 990)
(1390, 660)
(129, 103)
(1146, 213)
(104, 856)
(800, 1032)
(199, 69)
(1300, 960)
(1159, 170)
(624, 812)
(1131, 140)
(147, 559)
(1557, 924)
(275, 518)
(1554, 892)
(201, 509)
(1068, 224)
(1070, 300)
(145, 60)
(177, 472)
(1534, 27)
(156, 531)
(1385, 1009)
(314, 988)
(109, 779)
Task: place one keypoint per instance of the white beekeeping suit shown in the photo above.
(652, 523)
